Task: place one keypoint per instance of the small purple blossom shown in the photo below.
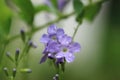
(60, 4)
(48, 2)
(67, 48)
(58, 46)
(53, 34)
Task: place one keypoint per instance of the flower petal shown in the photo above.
(44, 38)
(53, 47)
(45, 50)
(59, 55)
(65, 40)
(43, 59)
(74, 47)
(69, 57)
(52, 29)
(61, 4)
(60, 32)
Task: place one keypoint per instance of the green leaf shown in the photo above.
(54, 7)
(92, 10)
(26, 10)
(78, 6)
(5, 19)
(80, 17)
(41, 8)
(54, 3)
(79, 10)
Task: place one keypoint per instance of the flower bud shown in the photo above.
(32, 44)
(14, 72)
(26, 70)
(6, 71)
(22, 32)
(17, 54)
(56, 77)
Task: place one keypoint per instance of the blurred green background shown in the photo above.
(99, 58)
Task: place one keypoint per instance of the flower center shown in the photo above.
(65, 50)
(54, 38)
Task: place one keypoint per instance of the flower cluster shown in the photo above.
(58, 46)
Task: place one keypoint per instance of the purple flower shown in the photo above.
(53, 34)
(67, 48)
(53, 47)
(51, 41)
(50, 51)
(48, 2)
(58, 46)
(60, 4)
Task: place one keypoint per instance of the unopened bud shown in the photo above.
(34, 45)
(14, 72)
(30, 43)
(17, 54)
(22, 34)
(56, 77)
(6, 71)
(26, 70)
(17, 51)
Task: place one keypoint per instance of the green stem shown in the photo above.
(2, 52)
(25, 49)
(43, 26)
(76, 29)
(23, 52)
(11, 78)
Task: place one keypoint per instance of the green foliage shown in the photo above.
(78, 6)
(41, 8)
(88, 12)
(5, 24)
(5, 19)
(92, 10)
(79, 10)
(54, 3)
(26, 10)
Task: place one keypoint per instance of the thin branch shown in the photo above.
(76, 29)
(42, 27)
